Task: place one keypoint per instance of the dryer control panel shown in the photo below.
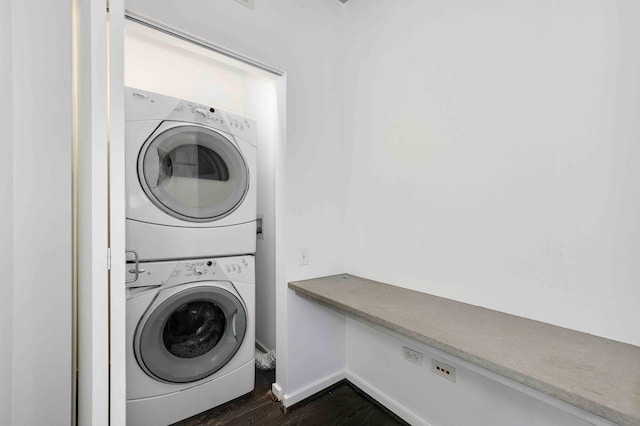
(236, 268)
(239, 126)
(144, 105)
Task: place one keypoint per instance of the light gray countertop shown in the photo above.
(598, 375)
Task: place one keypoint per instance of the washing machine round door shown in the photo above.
(191, 335)
(193, 173)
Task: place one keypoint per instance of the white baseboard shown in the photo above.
(388, 402)
(294, 397)
(277, 391)
(392, 405)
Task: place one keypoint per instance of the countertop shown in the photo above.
(598, 375)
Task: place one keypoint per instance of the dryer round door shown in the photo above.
(191, 335)
(193, 172)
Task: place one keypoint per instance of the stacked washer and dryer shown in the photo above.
(191, 238)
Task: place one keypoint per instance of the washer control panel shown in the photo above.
(220, 269)
(237, 268)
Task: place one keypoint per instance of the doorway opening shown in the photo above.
(160, 61)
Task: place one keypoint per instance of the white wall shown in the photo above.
(304, 39)
(375, 363)
(164, 64)
(492, 155)
(6, 214)
(36, 214)
(317, 349)
(263, 105)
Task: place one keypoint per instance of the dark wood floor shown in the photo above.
(342, 405)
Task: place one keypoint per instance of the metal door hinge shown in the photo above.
(108, 258)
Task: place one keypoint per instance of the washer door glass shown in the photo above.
(192, 334)
(193, 173)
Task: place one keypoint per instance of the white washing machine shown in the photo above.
(190, 337)
(190, 179)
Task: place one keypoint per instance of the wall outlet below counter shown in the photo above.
(412, 356)
(443, 370)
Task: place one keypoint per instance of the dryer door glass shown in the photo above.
(191, 335)
(193, 173)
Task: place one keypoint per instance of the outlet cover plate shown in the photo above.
(443, 370)
(303, 256)
(411, 355)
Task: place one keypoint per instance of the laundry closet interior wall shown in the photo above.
(162, 63)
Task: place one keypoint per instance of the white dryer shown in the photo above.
(190, 179)
(190, 337)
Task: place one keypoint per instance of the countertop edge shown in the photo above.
(573, 399)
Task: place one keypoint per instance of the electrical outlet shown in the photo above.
(303, 256)
(412, 356)
(443, 370)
